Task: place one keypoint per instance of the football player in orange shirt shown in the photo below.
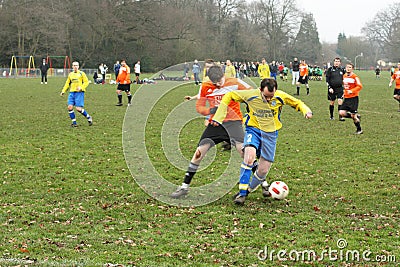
(396, 77)
(303, 79)
(352, 87)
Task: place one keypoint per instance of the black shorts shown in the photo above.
(137, 74)
(303, 80)
(337, 94)
(124, 87)
(350, 104)
(230, 131)
(396, 92)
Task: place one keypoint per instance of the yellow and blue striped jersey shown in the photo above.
(263, 71)
(262, 114)
(75, 80)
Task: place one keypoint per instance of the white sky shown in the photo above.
(353, 15)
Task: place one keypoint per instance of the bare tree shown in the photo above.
(278, 21)
(384, 31)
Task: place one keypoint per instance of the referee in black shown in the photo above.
(334, 80)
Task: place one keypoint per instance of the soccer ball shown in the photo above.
(278, 190)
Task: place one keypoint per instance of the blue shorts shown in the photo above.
(263, 142)
(76, 99)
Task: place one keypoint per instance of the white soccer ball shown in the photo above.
(278, 190)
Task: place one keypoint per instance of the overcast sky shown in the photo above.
(353, 15)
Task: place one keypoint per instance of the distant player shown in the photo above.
(334, 80)
(352, 87)
(303, 78)
(377, 72)
(124, 83)
(263, 70)
(295, 71)
(396, 77)
(77, 82)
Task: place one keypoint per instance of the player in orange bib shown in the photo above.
(352, 87)
(303, 79)
(396, 77)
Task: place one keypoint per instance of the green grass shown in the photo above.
(68, 197)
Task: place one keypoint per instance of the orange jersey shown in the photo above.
(124, 75)
(352, 85)
(303, 69)
(396, 77)
(212, 94)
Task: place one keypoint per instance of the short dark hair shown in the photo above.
(215, 73)
(351, 64)
(338, 58)
(271, 84)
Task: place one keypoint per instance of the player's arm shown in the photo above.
(357, 88)
(222, 110)
(298, 105)
(391, 81)
(66, 86)
(201, 103)
(85, 82)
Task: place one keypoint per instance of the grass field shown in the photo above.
(68, 197)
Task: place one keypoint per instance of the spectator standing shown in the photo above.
(196, 72)
(44, 67)
(137, 71)
(116, 69)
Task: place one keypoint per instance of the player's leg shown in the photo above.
(331, 98)
(70, 108)
(353, 106)
(245, 174)
(194, 164)
(396, 96)
(79, 104)
(267, 156)
(340, 102)
(128, 93)
(119, 94)
(307, 86)
(211, 136)
(297, 88)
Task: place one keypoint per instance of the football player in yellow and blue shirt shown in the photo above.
(262, 125)
(263, 70)
(77, 82)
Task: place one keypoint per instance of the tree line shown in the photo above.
(160, 32)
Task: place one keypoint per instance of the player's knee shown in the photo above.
(79, 109)
(197, 154)
(70, 107)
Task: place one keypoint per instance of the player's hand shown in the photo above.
(78, 89)
(390, 84)
(330, 90)
(309, 115)
(213, 110)
(214, 123)
(62, 93)
(188, 97)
